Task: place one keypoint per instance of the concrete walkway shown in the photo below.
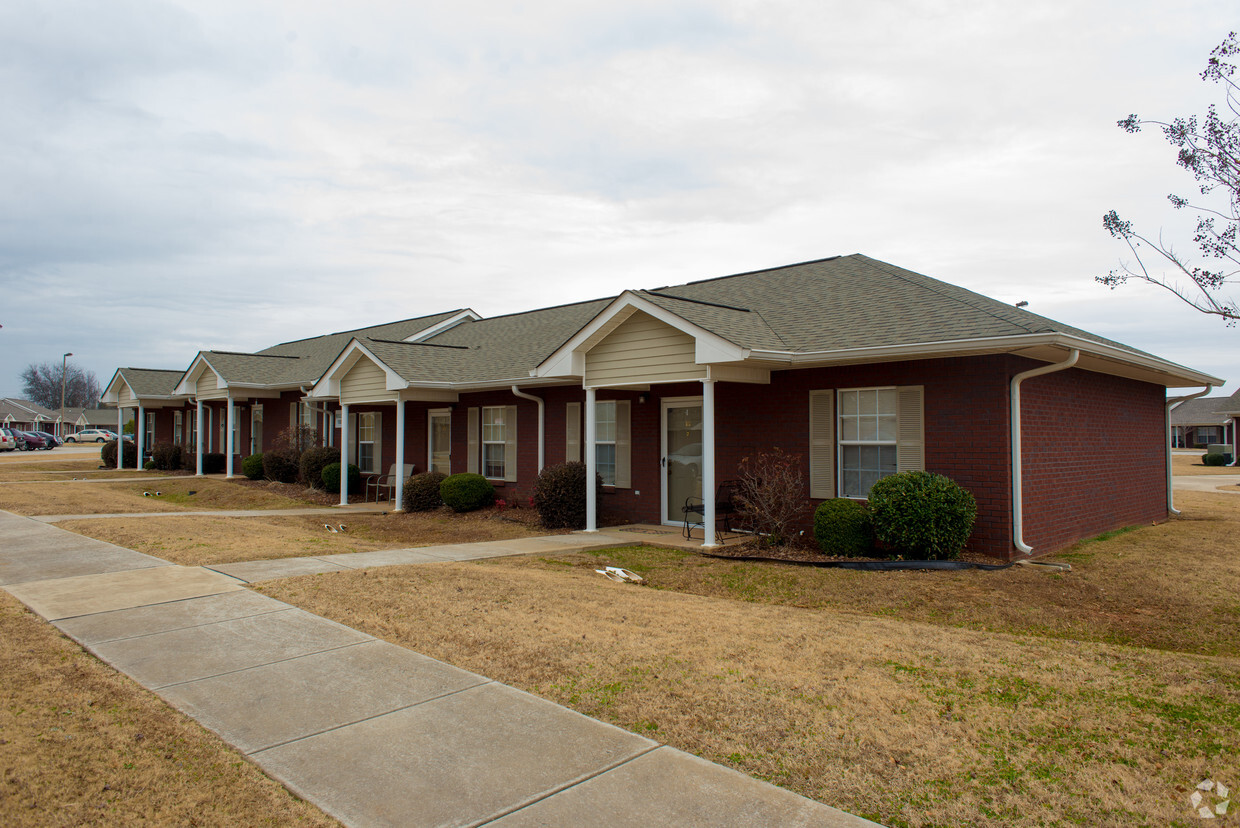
(1229, 483)
(372, 733)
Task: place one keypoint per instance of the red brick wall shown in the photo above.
(1094, 455)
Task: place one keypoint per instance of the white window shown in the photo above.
(868, 419)
(605, 441)
(149, 441)
(367, 436)
(494, 438)
(178, 428)
(256, 429)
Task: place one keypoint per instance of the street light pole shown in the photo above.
(63, 362)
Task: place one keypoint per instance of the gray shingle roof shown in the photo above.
(22, 410)
(151, 382)
(1206, 411)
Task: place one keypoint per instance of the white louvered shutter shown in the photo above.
(572, 433)
(472, 422)
(510, 444)
(623, 464)
(910, 430)
(822, 444)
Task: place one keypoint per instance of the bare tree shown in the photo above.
(1210, 150)
(41, 384)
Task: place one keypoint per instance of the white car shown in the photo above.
(7, 443)
(91, 435)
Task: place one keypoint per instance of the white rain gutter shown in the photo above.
(1171, 401)
(1018, 511)
(1235, 440)
(542, 441)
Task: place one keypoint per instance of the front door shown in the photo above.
(682, 456)
(440, 441)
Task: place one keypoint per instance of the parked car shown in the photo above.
(19, 439)
(92, 435)
(52, 440)
(7, 441)
(34, 441)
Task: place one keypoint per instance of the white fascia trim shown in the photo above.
(989, 344)
(188, 385)
(328, 386)
(112, 394)
(708, 347)
(452, 322)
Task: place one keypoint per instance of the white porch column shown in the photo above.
(344, 454)
(591, 462)
(400, 456)
(230, 439)
(198, 439)
(120, 437)
(708, 461)
(1235, 440)
(139, 434)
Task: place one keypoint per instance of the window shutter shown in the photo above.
(379, 467)
(622, 444)
(292, 415)
(472, 465)
(351, 426)
(510, 444)
(572, 433)
(822, 444)
(910, 431)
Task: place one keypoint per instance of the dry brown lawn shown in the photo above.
(74, 498)
(205, 540)
(81, 744)
(1191, 464)
(1097, 697)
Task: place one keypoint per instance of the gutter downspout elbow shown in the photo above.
(1018, 511)
(1171, 402)
(542, 424)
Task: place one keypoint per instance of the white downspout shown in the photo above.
(1171, 401)
(542, 421)
(1235, 441)
(1018, 511)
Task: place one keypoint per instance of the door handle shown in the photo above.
(663, 462)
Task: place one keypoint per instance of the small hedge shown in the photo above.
(166, 456)
(422, 492)
(213, 463)
(331, 478)
(560, 495)
(1215, 459)
(922, 515)
(842, 527)
(467, 492)
(282, 465)
(107, 455)
(313, 460)
(252, 467)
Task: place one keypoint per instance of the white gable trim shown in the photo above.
(328, 386)
(112, 394)
(569, 359)
(188, 386)
(466, 315)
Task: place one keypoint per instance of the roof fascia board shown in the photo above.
(452, 322)
(328, 386)
(569, 358)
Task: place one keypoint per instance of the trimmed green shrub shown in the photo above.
(282, 465)
(467, 492)
(921, 514)
(422, 492)
(149, 465)
(252, 467)
(331, 478)
(166, 456)
(1214, 459)
(213, 463)
(312, 462)
(560, 495)
(107, 455)
(842, 527)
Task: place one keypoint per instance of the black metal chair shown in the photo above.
(695, 511)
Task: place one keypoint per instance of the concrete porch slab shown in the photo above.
(195, 653)
(177, 615)
(670, 787)
(272, 704)
(88, 594)
(458, 760)
(251, 571)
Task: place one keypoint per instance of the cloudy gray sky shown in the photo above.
(188, 175)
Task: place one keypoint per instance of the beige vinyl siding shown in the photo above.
(642, 350)
(365, 382)
(208, 387)
(124, 396)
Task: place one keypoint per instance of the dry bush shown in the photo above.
(771, 495)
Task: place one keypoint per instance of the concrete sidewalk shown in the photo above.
(1207, 483)
(372, 733)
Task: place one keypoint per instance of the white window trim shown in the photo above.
(375, 461)
(483, 442)
(598, 405)
(430, 437)
(840, 442)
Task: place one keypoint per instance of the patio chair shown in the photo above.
(386, 483)
(695, 511)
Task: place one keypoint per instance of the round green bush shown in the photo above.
(331, 478)
(282, 465)
(313, 460)
(1214, 459)
(922, 515)
(422, 492)
(842, 527)
(149, 465)
(466, 492)
(560, 495)
(252, 467)
(107, 455)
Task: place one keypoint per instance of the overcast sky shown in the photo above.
(185, 176)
